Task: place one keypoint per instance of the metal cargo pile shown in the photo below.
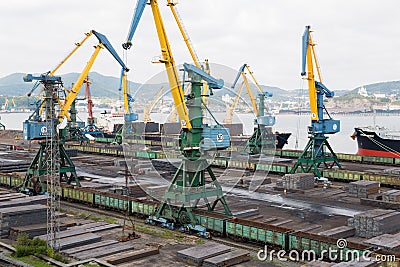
(363, 188)
(386, 241)
(20, 216)
(375, 222)
(391, 196)
(296, 181)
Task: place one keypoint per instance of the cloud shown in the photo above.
(357, 40)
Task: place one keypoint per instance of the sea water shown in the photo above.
(295, 124)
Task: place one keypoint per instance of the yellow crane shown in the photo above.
(230, 109)
(71, 96)
(318, 151)
(243, 71)
(188, 185)
(149, 108)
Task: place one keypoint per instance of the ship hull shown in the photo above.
(371, 144)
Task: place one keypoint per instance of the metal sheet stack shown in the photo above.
(196, 255)
(391, 196)
(339, 232)
(363, 188)
(20, 216)
(375, 222)
(386, 241)
(296, 181)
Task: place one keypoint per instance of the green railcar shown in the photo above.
(112, 201)
(241, 164)
(214, 222)
(5, 180)
(349, 157)
(320, 245)
(291, 153)
(219, 162)
(343, 175)
(16, 181)
(384, 160)
(382, 178)
(276, 168)
(146, 154)
(257, 231)
(142, 208)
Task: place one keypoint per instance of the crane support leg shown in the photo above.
(318, 151)
(35, 183)
(187, 189)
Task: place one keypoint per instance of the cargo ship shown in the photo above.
(169, 131)
(377, 141)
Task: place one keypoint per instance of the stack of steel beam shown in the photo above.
(375, 222)
(391, 196)
(386, 241)
(20, 216)
(339, 232)
(297, 181)
(385, 195)
(363, 188)
(196, 255)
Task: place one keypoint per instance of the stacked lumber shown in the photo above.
(363, 188)
(375, 222)
(21, 216)
(296, 181)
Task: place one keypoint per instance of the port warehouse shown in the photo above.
(340, 175)
(219, 225)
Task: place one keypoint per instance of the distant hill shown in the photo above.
(102, 86)
(107, 86)
(392, 87)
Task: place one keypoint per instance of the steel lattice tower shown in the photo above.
(52, 164)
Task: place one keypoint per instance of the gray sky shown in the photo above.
(358, 40)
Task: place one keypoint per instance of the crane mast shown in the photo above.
(189, 186)
(90, 105)
(318, 150)
(47, 126)
(262, 138)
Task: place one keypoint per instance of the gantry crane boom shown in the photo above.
(242, 73)
(172, 72)
(231, 108)
(148, 109)
(140, 5)
(184, 34)
(77, 46)
(71, 96)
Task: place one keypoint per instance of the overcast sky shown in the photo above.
(358, 40)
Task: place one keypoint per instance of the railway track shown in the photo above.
(141, 222)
